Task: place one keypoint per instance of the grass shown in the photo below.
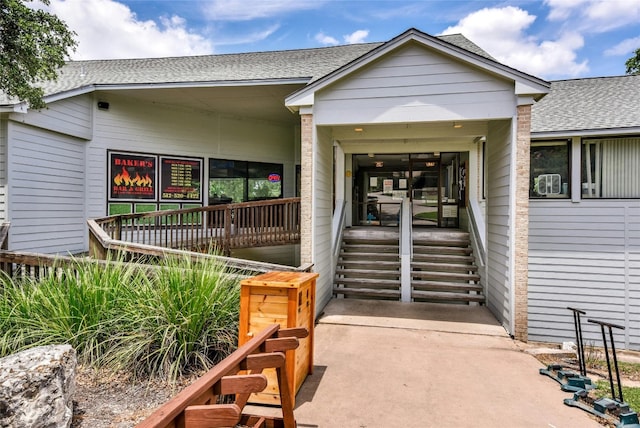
(595, 360)
(631, 395)
(176, 318)
(432, 215)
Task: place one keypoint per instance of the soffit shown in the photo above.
(258, 102)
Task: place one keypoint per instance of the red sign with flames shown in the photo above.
(132, 177)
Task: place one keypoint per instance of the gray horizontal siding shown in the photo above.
(71, 116)
(498, 281)
(411, 84)
(46, 176)
(585, 255)
(3, 169)
(322, 218)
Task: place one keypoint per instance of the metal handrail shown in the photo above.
(478, 229)
(406, 248)
(337, 226)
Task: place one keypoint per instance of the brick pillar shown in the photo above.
(306, 188)
(521, 271)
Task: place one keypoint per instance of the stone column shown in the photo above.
(521, 268)
(306, 188)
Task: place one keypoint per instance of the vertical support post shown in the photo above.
(406, 247)
(579, 342)
(226, 240)
(521, 221)
(307, 161)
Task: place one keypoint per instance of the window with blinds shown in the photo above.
(611, 168)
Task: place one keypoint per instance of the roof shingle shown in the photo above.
(589, 104)
(304, 64)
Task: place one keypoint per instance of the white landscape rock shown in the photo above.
(37, 386)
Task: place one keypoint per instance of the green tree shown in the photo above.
(633, 63)
(33, 46)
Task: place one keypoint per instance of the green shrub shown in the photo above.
(164, 320)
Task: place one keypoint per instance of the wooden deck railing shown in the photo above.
(236, 377)
(224, 227)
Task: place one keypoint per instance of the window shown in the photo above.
(227, 181)
(549, 176)
(240, 181)
(265, 181)
(611, 168)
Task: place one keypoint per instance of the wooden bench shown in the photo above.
(234, 378)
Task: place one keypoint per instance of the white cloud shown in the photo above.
(596, 16)
(563, 9)
(625, 47)
(246, 10)
(248, 38)
(501, 32)
(324, 39)
(107, 29)
(356, 37)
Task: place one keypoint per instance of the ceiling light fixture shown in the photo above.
(371, 155)
(457, 125)
(358, 129)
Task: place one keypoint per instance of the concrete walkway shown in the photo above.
(391, 364)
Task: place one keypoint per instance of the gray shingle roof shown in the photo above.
(305, 64)
(589, 104)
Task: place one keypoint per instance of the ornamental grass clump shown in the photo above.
(184, 319)
(163, 320)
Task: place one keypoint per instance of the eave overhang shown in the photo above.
(525, 84)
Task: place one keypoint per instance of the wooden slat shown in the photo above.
(193, 407)
(299, 332)
(240, 384)
(259, 362)
(212, 416)
(177, 404)
(281, 344)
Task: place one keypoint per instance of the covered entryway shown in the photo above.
(420, 94)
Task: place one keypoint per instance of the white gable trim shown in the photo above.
(525, 84)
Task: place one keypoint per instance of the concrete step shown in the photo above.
(368, 273)
(443, 267)
(368, 292)
(443, 258)
(445, 276)
(368, 256)
(460, 251)
(355, 240)
(370, 263)
(445, 286)
(444, 242)
(434, 296)
(367, 283)
(370, 248)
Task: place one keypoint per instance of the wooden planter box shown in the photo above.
(288, 299)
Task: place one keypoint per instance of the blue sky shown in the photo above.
(552, 39)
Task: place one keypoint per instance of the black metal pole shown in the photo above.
(579, 343)
(615, 363)
(615, 359)
(606, 353)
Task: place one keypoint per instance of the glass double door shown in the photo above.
(435, 195)
(429, 180)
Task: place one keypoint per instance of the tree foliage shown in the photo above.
(33, 46)
(633, 63)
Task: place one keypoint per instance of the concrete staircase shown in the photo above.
(369, 264)
(443, 268)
